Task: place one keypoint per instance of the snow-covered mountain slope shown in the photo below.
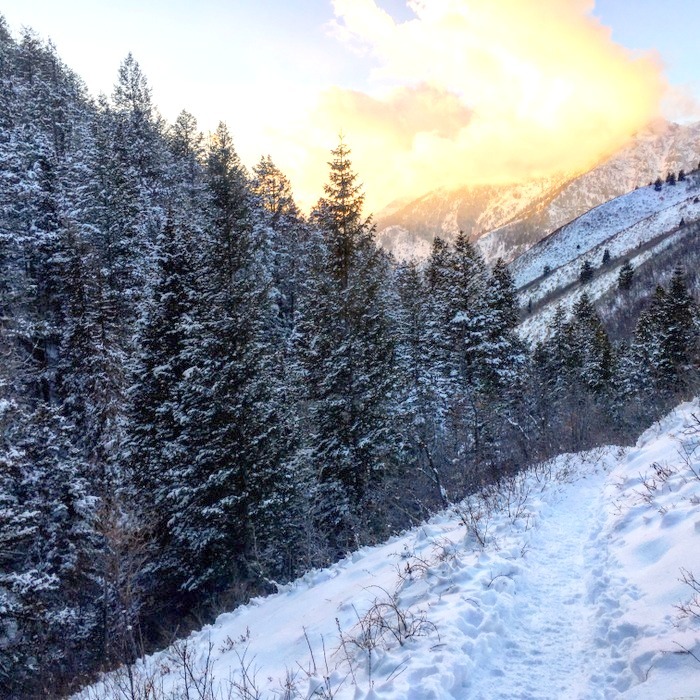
(632, 227)
(408, 232)
(640, 215)
(578, 580)
(507, 220)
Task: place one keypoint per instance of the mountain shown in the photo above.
(635, 227)
(506, 220)
(577, 579)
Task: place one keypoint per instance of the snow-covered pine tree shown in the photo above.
(665, 344)
(506, 354)
(592, 355)
(587, 271)
(438, 342)
(681, 337)
(646, 367)
(625, 276)
(459, 336)
(590, 371)
(229, 432)
(283, 534)
(506, 372)
(288, 239)
(49, 594)
(348, 360)
(53, 320)
(153, 449)
(420, 422)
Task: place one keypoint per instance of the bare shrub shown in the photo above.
(244, 685)
(476, 513)
(323, 682)
(127, 683)
(514, 493)
(690, 609)
(412, 567)
(386, 622)
(196, 674)
(654, 481)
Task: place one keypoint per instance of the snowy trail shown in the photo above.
(553, 626)
(562, 640)
(539, 620)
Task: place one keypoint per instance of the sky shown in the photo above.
(427, 93)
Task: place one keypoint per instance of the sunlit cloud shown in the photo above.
(474, 91)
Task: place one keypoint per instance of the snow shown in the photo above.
(562, 584)
(633, 227)
(539, 324)
(403, 244)
(633, 218)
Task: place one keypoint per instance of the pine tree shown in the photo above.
(462, 334)
(625, 276)
(153, 447)
(421, 414)
(577, 366)
(507, 367)
(348, 359)
(47, 583)
(592, 353)
(138, 135)
(438, 350)
(664, 347)
(186, 190)
(548, 389)
(469, 318)
(681, 330)
(288, 239)
(586, 273)
(647, 367)
(274, 190)
(208, 493)
(230, 430)
(503, 303)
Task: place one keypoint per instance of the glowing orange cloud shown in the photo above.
(476, 91)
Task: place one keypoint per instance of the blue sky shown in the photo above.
(255, 64)
(670, 27)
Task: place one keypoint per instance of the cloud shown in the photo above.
(422, 109)
(478, 91)
(680, 103)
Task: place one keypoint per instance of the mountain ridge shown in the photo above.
(505, 221)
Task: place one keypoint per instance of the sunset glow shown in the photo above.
(427, 93)
(473, 92)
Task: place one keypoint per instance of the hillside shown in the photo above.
(507, 220)
(202, 391)
(409, 231)
(576, 580)
(633, 227)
